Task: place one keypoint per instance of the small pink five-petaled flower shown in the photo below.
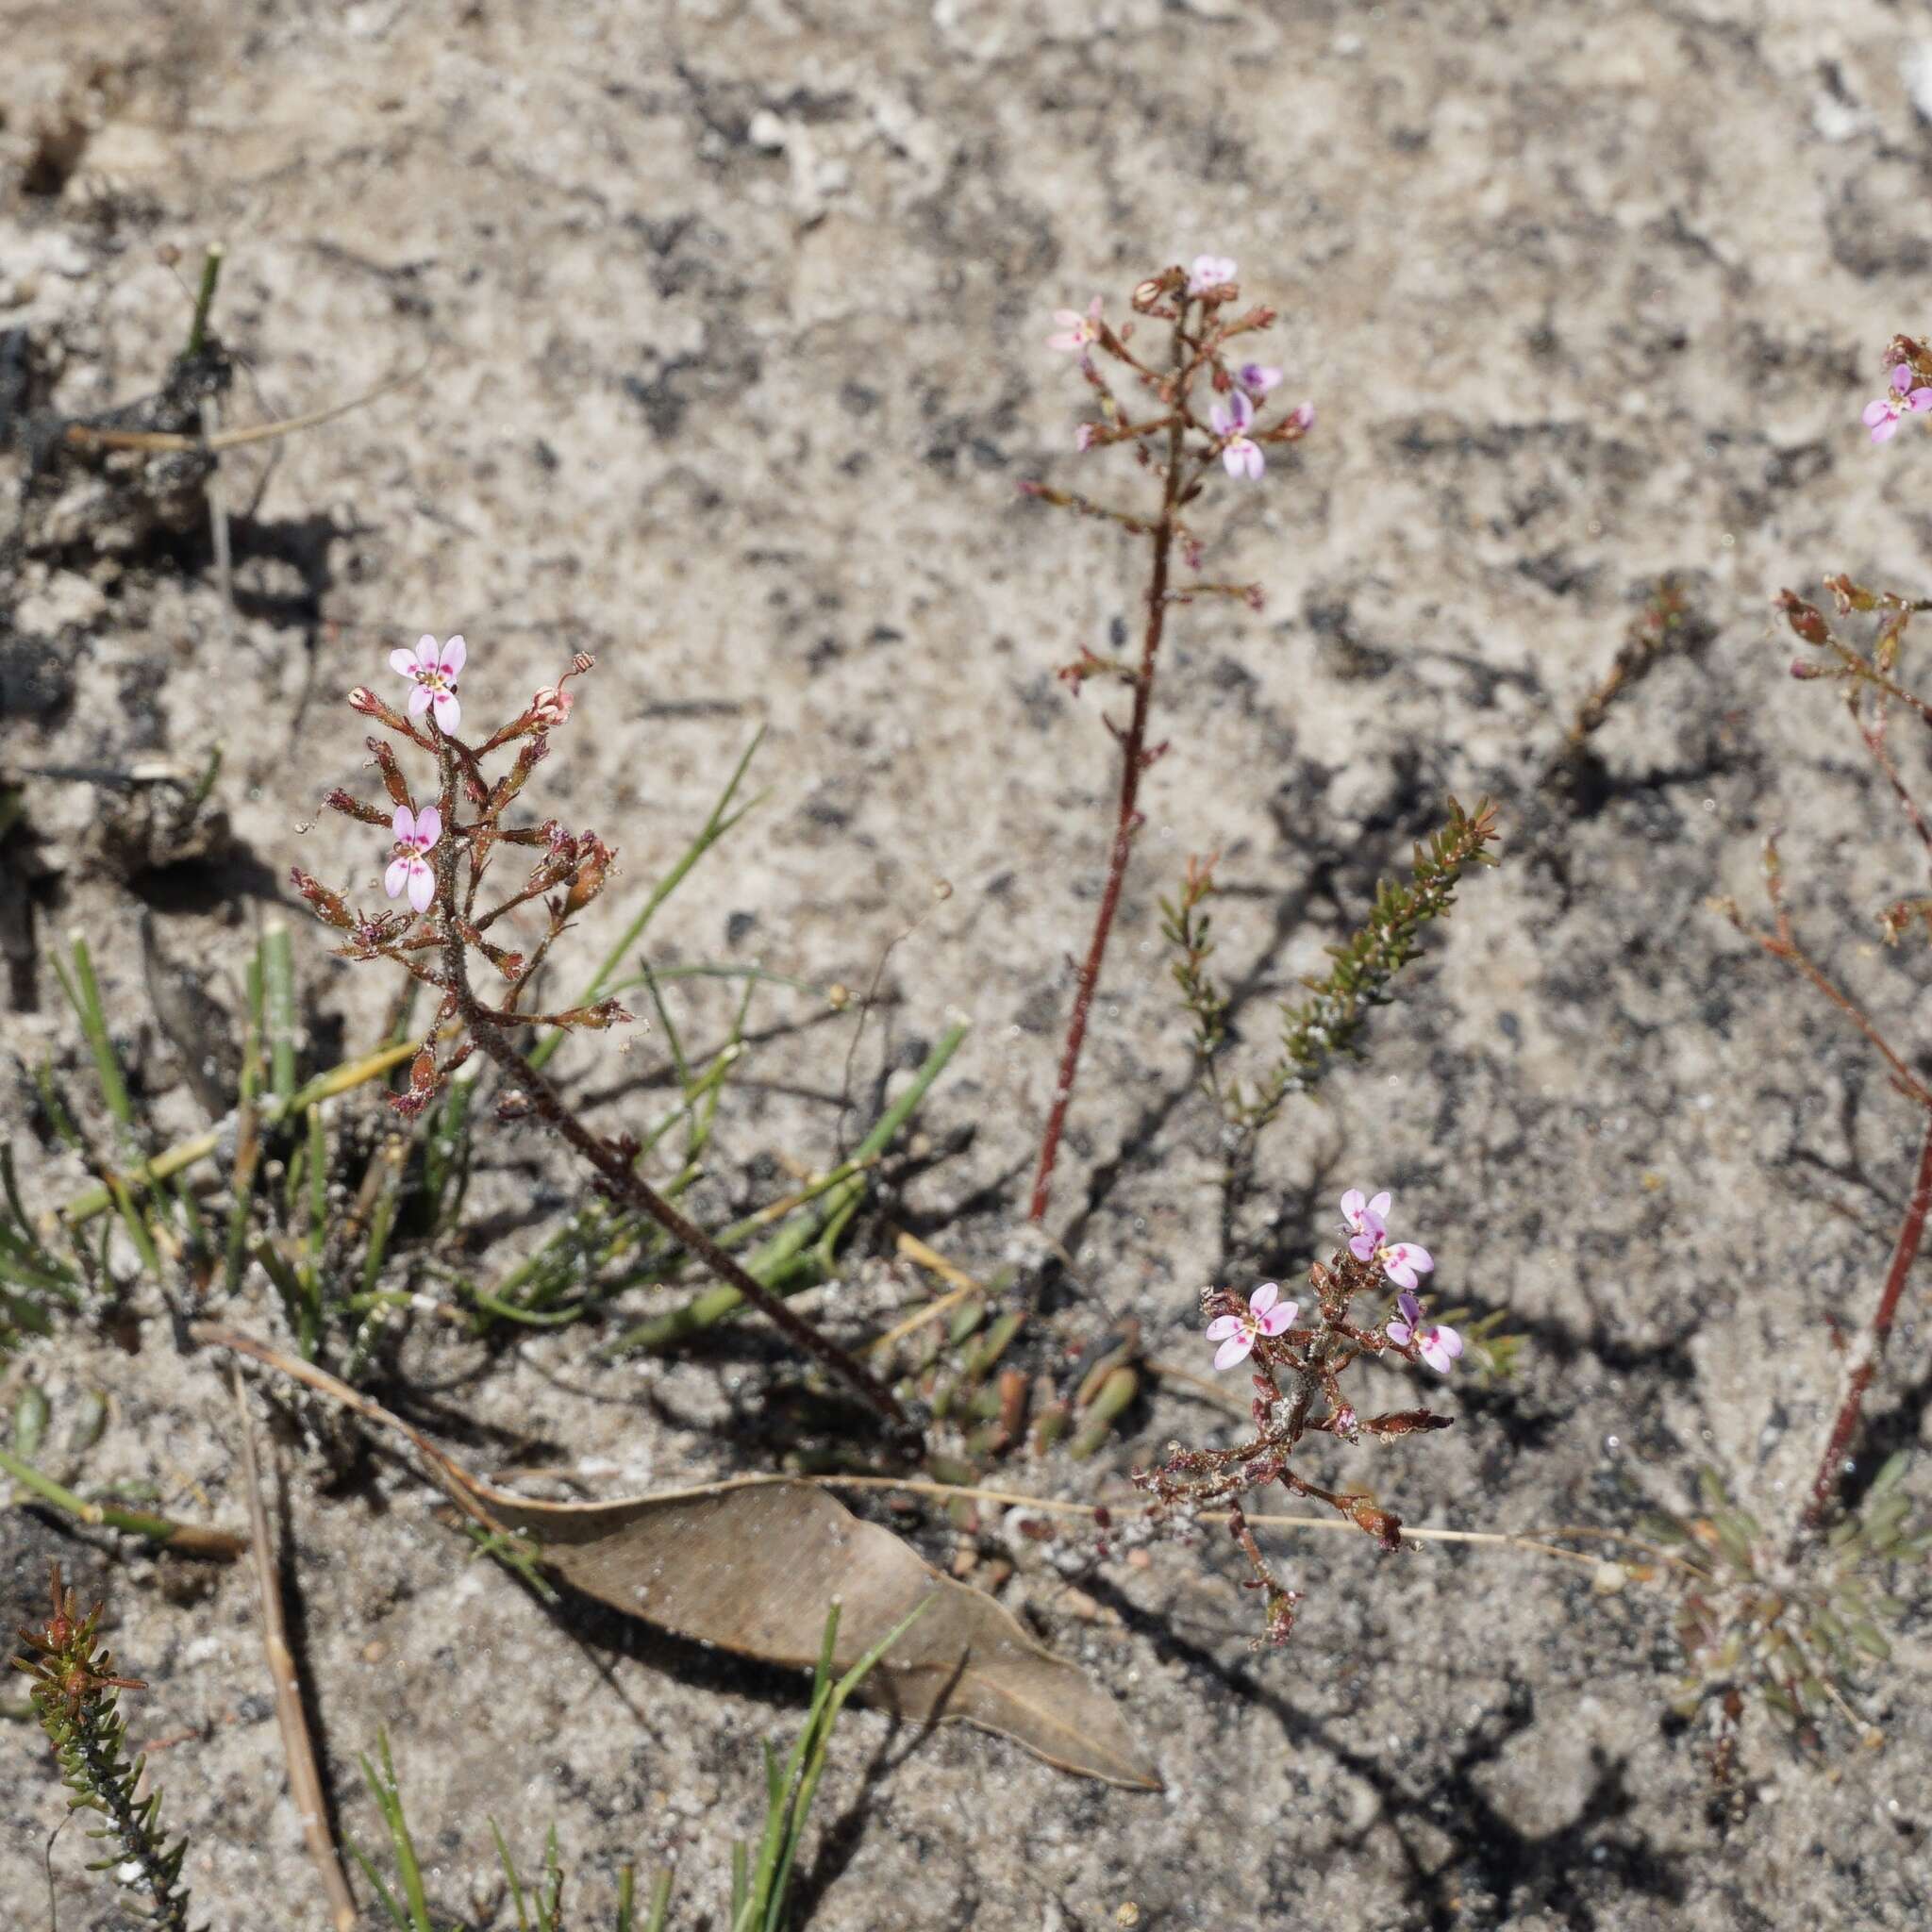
(1439, 1344)
(1077, 333)
(1267, 1314)
(1401, 1261)
(1210, 272)
(416, 832)
(1881, 416)
(433, 668)
(1258, 379)
(1241, 455)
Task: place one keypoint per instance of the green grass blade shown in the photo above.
(741, 1886)
(388, 1801)
(247, 1132)
(446, 1154)
(665, 1021)
(721, 820)
(54, 1108)
(842, 1189)
(84, 996)
(510, 1873)
(824, 1717)
(278, 972)
(384, 1896)
(660, 1904)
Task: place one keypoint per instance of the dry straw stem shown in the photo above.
(930, 1258)
(1089, 1511)
(456, 1482)
(85, 436)
(304, 1779)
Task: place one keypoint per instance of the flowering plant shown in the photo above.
(1180, 438)
(1297, 1371)
(441, 862)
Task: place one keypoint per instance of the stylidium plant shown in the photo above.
(1796, 1614)
(470, 867)
(1296, 1372)
(1182, 406)
(1193, 399)
(1907, 396)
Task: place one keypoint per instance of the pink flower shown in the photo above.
(551, 706)
(1210, 272)
(1084, 436)
(1241, 455)
(1357, 1213)
(1881, 417)
(1439, 1344)
(1077, 333)
(433, 668)
(416, 832)
(1258, 379)
(1267, 1314)
(1401, 1261)
(1301, 419)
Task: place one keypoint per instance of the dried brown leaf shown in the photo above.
(754, 1565)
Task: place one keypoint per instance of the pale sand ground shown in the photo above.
(732, 319)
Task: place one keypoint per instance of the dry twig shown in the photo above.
(305, 1779)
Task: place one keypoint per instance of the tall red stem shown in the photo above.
(1135, 759)
(1845, 1427)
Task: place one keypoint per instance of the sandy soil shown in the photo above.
(725, 325)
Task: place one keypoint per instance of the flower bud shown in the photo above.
(551, 706)
(1383, 1524)
(392, 780)
(593, 865)
(1806, 620)
(326, 905)
(604, 1013)
(1405, 1422)
(1903, 349)
(364, 700)
(422, 1088)
(1849, 596)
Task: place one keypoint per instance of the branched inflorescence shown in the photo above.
(1197, 406)
(73, 1685)
(440, 861)
(1298, 1370)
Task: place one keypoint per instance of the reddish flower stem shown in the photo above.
(1135, 759)
(625, 1182)
(1845, 1427)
